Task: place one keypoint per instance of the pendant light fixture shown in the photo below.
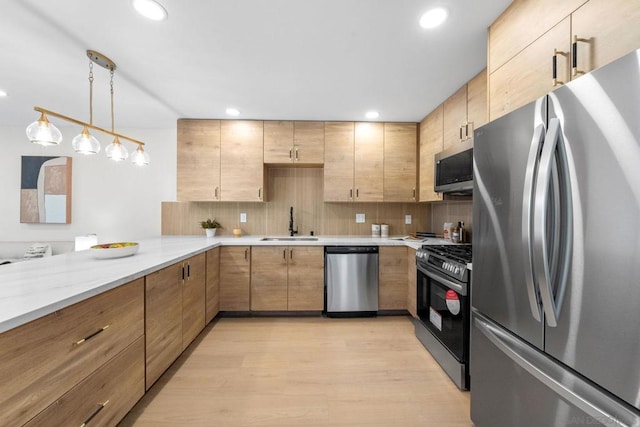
(45, 133)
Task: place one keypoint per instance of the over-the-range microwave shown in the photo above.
(454, 169)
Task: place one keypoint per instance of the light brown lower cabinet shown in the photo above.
(392, 290)
(305, 291)
(235, 278)
(269, 278)
(193, 297)
(412, 280)
(104, 397)
(212, 287)
(44, 359)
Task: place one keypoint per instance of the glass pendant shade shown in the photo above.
(116, 151)
(85, 143)
(140, 157)
(43, 132)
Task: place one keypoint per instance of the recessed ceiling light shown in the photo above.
(372, 115)
(233, 111)
(2, 93)
(434, 17)
(150, 9)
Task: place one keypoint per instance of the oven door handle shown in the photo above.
(461, 289)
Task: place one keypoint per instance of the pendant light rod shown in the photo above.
(81, 123)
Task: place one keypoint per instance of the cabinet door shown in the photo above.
(163, 320)
(455, 117)
(528, 76)
(242, 167)
(392, 291)
(400, 156)
(198, 153)
(308, 143)
(607, 29)
(193, 298)
(477, 102)
(269, 278)
(338, 161)
(368, 162)
(430, 143)
(412, 280)
(235, 270)
(278, 142)
(306, 278)
(212, 289)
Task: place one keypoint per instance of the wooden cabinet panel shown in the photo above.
(306, 278)
(212, 288)
(392, 291)
(235, 278)
(308, 143)
(338, 161)
(43, 359)
(528, 76)
(278, 142)
(431, 141)
(109, 393)
(198, 153)
(513, 31)
(412, 281)
(477, 101)
(609, 29)
(269, 278)
(163, 320)
(241, 157)
(455, 116)
(193, 298)
(400, 157)
(368, 162)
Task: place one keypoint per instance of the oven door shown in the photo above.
(443, 307)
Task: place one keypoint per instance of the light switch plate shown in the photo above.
(360, 219)
(407, 219)
(243, 217)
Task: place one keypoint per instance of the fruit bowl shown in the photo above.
(113, 250)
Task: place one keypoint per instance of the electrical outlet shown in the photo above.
(407, 219)
(243, 217)
(360, 219)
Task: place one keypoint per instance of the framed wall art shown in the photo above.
(45, 190)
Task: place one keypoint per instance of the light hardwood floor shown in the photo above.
(304, 371)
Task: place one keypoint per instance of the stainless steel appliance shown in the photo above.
(454, 169)
(443, 284)
(556, 291)
(351, 281)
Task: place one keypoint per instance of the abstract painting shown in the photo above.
(45, 190)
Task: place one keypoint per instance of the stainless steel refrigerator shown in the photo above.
(555, 337)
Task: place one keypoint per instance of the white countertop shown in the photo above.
(35, 288)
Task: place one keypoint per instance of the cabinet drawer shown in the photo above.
(43, 359)
(103, 398)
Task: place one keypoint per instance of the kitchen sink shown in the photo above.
(289, 239)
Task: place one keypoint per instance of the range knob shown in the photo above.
(456, 270)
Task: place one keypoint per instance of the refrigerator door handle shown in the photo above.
(564, 382)
(545, 275)
(527, 211)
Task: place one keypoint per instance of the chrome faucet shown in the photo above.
(291, 230)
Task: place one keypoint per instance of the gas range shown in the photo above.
(450, 260)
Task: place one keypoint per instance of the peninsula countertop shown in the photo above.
(35, 288)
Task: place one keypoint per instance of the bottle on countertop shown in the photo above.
(461, 237)
(446, 232)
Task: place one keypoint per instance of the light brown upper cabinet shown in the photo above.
(604, 30)
(288, 142)
(242, 177)
(465, 110)
(431, 142)
(400, 158)
(354, 161)
(198, 168)
(477, 102)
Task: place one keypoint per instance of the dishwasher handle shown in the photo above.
(351, 249)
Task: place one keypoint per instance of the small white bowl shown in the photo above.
(102, 252)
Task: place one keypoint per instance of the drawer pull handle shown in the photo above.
(96, 412)
(88, 337)
(554, 67)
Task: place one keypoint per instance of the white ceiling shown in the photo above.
(271, 59)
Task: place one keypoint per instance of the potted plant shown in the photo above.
(210, 226)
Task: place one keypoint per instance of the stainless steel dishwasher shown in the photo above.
(351, 281)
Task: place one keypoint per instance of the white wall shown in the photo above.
(116, 201)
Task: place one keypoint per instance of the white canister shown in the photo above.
(384, 230)
(375, 230)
